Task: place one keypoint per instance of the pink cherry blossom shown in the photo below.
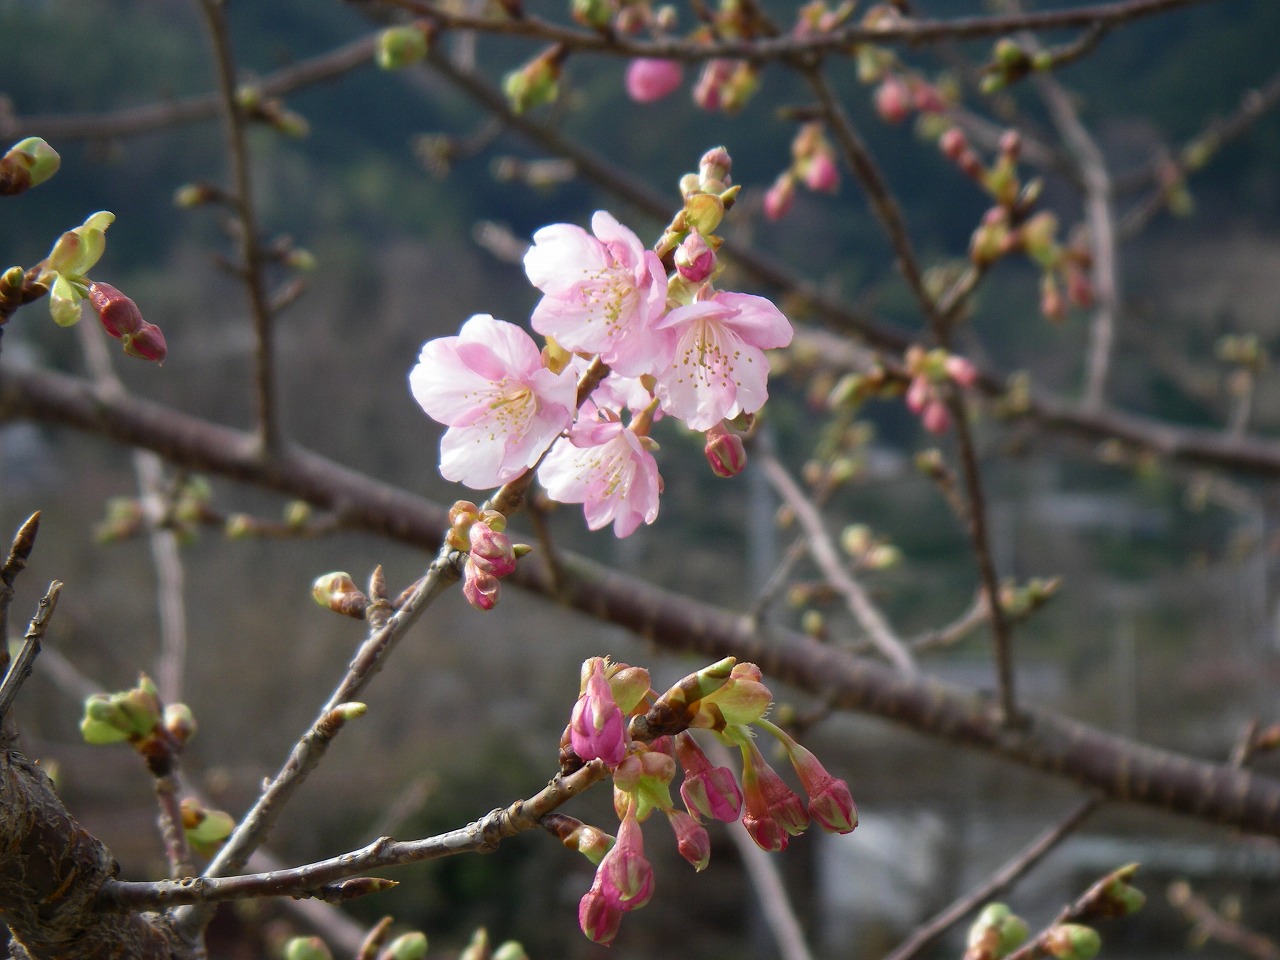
(649, 78)
(719, 369)
(602, 294)
(609, 470)
(502, 407)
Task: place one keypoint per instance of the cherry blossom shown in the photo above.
(502, 407)
(719, 369)
(609, 470)
(602, 294)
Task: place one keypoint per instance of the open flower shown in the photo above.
(609, 470)
(719, 368)
(602, 294)
(502, 407)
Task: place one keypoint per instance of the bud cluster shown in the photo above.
(813, 164)
(490, 553)
(930, 372)
(645, 739)
(1011, 226)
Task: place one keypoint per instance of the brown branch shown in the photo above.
(1120, 768)
(252, 256)
(480, 836)
(932, 929)
(14, 564)
(139, 120)
(1208, 924)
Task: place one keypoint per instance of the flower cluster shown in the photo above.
(632, 335)
(644, 739)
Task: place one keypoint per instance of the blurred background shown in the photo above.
(1165, 627)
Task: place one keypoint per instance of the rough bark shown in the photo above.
(50, 871)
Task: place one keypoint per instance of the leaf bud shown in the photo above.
(306, 948)
(104, 721)
(510, 950)
(28, 163)
(1072, 941)
(339, 593)
(180, 722)
(407, 946)
(400, 47)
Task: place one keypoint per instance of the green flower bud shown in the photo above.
(339, 593)
(478, 948)
(407, 946)
(205, 829)
(1072, 941)
(104, 721)
(306, 948)
(510, 950)
(180, 722)
(28, 163)
(401, 47)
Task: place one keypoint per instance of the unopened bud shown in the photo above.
(779, 198)
(180, 722)
(306, 948)
(510, 950)
(400, 47)
(536, 83)
(147, 344)
(1072, 941)
(407, 946)
(893, 99)
(694, 259)
(339, 593)
(28, 163)
(725, 452)
(715, 165)
(118, 313)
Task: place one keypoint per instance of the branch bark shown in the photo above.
(1120, 768)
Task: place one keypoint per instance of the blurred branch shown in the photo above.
(1208, 924)
(932, 929)
(818, 543)
(252, 258)
(1122, 769)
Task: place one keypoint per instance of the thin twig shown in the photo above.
(1208, 924)
(14, 564)
(20, 668)
(823, 551)
(933, 928)
(308, 751)
(1096, 183)
(252, 259)
(479, 836)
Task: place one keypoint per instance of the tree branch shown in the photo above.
(1120, 768)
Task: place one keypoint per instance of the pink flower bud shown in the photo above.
(926, 98)
(147, 344)
(780, 197)
(691, 838)
(830, 802)
(893, 99)
(960, 370)
(118, 313)
(649, 79)
(724, 452)
(708, 92)
(596, 727)
(694, 258)
(919, 393)
(479, 587)
(953, 143)
(491, 551)
(599, 914)
(707, 791)
(624, 868)
(1051, 303)
(822, 176)
(935, 417)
